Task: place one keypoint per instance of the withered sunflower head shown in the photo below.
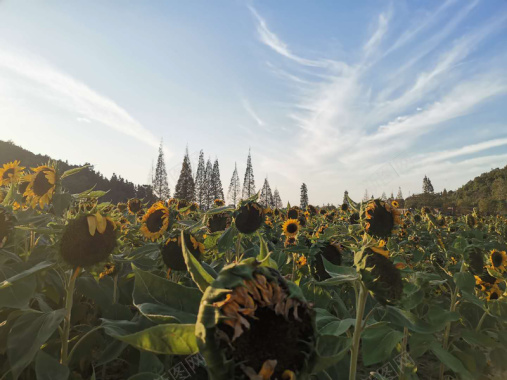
(7, 220)
(475, 259)
(219, 202)
(249, 217)
(381, 277)
(312, 210)
(379, 219)
(172, 251)
(122, 206)
(134, 205)
(332, 252)
(172, 202)
(218, 222)
(425, 210)
(354, 218)
(417, 218)
(155, 221)
(345, 207)
(88, 240)
(182, 203)
(293, 213)
(292, 240)
(253, 324)
(323, 211)
(290, 227)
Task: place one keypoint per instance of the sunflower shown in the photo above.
(249, 217)
(88, 240)
(172, 202)
(475, 259)
(417, 218)
(312, 209)
(6, 225)
(332, 252)
(155, 221)
(134, 205)
(344, 207)
(122, 206)
(109, 270)
(218, 222)
(42, 183)
(301, 261)
(182, 203)
(494, 293)
(290, 241)
(10, 173)
(354, 218)
(219, 202)
(395, 204)
(172, 253)
(379, 219)
(291, 228)
(254, 324)
(293, 213)
(485, 281)
(498, 260)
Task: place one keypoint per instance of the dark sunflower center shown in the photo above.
(496, 259)
(8, 172)
(272, 337)
(293, 214)
(41, 184)
(381, 222)
(292, 228)
(155, 221)
(493, 296)
(22, 187)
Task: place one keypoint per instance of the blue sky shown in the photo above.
(337, 94)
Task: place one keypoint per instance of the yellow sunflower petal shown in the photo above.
(92, 224)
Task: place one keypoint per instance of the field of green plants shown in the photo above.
(94, 290)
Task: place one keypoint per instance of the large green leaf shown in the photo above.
(339, 274)
(49, 368)
(405, 318)
(378, 343)
(167, 339)
(30, 331)
(28, 272)
(330, 349)
(19, 293)
(200, 276)
(465, 281)
(450, 361)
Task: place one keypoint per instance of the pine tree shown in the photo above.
(277, 201)
(216, 184)
(266, 197)
(248, 182)
(160, 185)
(383, 196)
(399, 196)
(234, 187)
(304, 197)
(208, 181)
(345, 198)
(199, 180)
(392, 196)
(366, 196)
(427, 186)
(185, 188)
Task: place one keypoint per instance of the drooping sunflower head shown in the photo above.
(293, 213)
(218, 222)
(172, 202)
(88, 240)
(485, 281)
(182, 203)
(42, 185)
(417, 218)
(332, 252)
(379, 219)
(249, 217)
(122, 207)
(354, 218)
(498, 260)
(425, 210)
(494, 293)
(290, 227)
(475, 259)
(6, 225)
(344, 207)
(381, 277)
(155, 221)
(312, 210)
(10, 173)
(219, 202)
(254, 324)
(172, 251)
(134, 205)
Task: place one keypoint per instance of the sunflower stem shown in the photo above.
(69, 299)
(115, 287)
(238, 246)
(481, 321)
(445, 342)
(360, 305)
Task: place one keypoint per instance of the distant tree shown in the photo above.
(383, 196)
(303, 200)
(427, 186)
(234, 187)
(366, 196)
(392, 196)
(185, 188)
(199, 180)
(249, 181)
(266, 197)
(216, 182)
(208, 189)
(277, 201)
(160, 185)
(345, 197)
(399, 196)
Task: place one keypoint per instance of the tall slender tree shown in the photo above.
(185, 188)
(427, 186)
(266, 197)
(208, 181)
(249, 181)
(304, 197)
(218, 190)
(399, 196)
(199, 180)
(366, 196)
(160, 185)
(345, 197)
(383, 196)
(234, 187)
(277, 201)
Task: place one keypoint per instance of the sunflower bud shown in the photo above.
(253, 324)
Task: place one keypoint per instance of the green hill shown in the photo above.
(120, 190)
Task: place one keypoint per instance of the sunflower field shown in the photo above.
(94, 290)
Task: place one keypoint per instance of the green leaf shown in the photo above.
(378, 343)
(337, 327)
(201, 278)
(227, 239)
(149, 362)
(19, 293)
(264, 256)
(405, 318)
(164, 314)
(73, 171)
(30, 331)
(339, 274)
(48, 368)
(465, 281)
(449, 360)
(478, 338)
(61, 202)
(330, 350)
(36, 268)
(167, 339)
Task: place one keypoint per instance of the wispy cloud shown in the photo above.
(252, 113)
(72, 95)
